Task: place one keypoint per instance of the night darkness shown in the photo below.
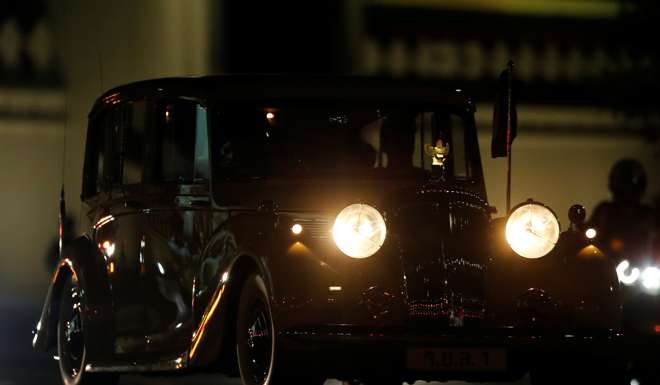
(317, 178)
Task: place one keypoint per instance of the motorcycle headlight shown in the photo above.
(359, 231)
(627, 277)
(651, 278)
(648, 278)
(532, 230)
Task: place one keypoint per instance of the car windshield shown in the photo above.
(308, 141)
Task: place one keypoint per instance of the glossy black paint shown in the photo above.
(162, 265)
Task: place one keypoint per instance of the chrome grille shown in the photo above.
(442, 243)
(428, 309)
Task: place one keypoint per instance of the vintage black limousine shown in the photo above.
(303, 228)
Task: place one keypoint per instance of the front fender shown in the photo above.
(578, 286)
(213, 339)
(82, 262)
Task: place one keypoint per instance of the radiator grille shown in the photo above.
(442, 249)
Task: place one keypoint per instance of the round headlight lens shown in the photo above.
(359, 231)
(532, 230)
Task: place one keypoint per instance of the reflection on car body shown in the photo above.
(249, 224)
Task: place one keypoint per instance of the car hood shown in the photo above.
(331, 195)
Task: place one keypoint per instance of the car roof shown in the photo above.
(284, 87)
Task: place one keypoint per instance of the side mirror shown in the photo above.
(577, 214)
(505, 117)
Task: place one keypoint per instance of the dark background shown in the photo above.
(587, 69)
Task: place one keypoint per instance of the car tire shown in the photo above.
(256, 341)
(71, 348)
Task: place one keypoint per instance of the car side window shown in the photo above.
(102, 168)
(115, 147)
(181, 143)
(111, 164)
(134, 130)
(202, 170)
(96, 156)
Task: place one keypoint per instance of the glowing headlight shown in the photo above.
(532, 230)
(359, 231)
(651, 278)
(624, 277)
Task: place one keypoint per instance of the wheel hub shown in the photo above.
(72, 346)
(259, 343)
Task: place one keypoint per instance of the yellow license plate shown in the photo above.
(457, 359)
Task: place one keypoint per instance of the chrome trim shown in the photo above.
(178, 363)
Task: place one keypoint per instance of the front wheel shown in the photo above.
(71, 343)
(256, 341)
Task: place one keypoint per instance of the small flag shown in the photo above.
(505, 103)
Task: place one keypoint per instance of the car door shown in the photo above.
(176, 222)
(117, 137)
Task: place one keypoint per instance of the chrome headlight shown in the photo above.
(532, 230)
(359, 231)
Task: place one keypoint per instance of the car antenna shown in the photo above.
(60, 224)
(61, 215)
(62, 211)
(508, 137)
(99, 59)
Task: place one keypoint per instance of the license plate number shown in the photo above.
(456, 359)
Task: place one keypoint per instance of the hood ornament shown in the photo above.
(438, 153)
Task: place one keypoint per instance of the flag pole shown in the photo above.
(508, 137)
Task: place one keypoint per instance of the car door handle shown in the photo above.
(191, 201)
